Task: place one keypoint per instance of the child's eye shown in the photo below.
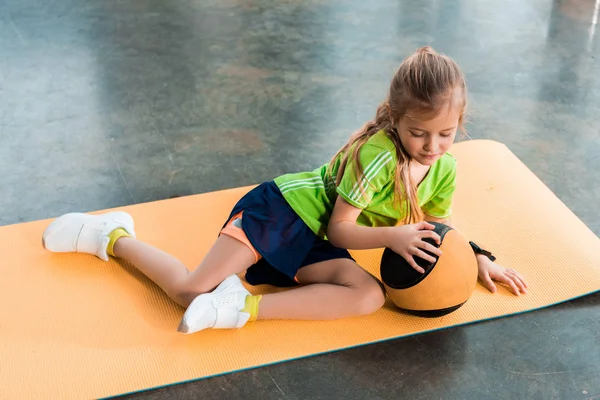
(445, 134)
(415, 135)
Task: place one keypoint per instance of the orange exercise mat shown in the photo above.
(73, 326)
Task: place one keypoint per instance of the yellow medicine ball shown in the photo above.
(446, 284)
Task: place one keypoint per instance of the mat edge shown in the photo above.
(447, 327)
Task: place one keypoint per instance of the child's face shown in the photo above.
(428, 140)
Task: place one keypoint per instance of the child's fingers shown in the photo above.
(425, 225)
(411, 261)
(488, 283)
(518, 275)
(506, 279)
(518, 281)
(424, 256)
(432, 235)
(431, 248)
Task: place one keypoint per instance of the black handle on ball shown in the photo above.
(478, 250)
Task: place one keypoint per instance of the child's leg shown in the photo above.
(332, 289)
(336, 288)
(227, 256)
(100, 234)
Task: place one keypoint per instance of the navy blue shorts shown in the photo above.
(281, 237)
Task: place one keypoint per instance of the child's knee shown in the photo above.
(371, 297)
(183, 298)
(183, 293)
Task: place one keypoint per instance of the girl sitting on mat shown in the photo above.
(378, 191)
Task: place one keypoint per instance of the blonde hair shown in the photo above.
(425, 84)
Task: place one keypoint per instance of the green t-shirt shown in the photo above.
(313, 194)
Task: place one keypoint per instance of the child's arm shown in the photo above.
(406, 240)
(343, 231)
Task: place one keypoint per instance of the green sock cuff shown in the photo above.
(252, 306)
(114, 236)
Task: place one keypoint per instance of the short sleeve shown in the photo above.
(377, 166)
(440, 205)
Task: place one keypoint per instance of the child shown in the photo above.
(378, 191)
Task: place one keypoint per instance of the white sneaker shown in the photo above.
(220, 309)
(85, 233)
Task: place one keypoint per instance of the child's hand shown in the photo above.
(489, 271)
(406, 240)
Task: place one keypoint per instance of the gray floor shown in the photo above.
(105, 103)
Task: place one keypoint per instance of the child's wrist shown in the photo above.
(481, 258)
(386, 236)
